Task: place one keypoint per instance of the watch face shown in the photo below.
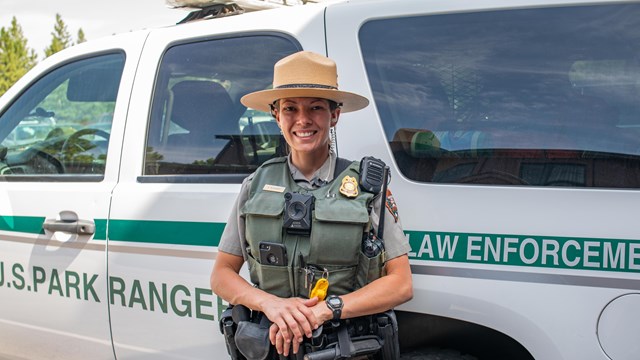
(334, 301)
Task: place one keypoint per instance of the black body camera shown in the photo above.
(372, 246)
(297, 213)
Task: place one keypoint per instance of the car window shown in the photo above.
(540, 97)
(198, 125)
(60, 125)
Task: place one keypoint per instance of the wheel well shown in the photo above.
(430, 331)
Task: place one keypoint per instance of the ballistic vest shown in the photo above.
(331, 250)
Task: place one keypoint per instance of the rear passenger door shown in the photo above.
(187, 153)
(60, 140)
(515, 132)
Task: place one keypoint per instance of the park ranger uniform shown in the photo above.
(234, 239)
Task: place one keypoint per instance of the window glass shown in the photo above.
(60, 125)
(542, 97)
(198, 125)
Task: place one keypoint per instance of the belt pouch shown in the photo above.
(252, 339)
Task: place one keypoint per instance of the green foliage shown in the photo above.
(81, 37)
(15, 57)
(83, 113)
(60, 37)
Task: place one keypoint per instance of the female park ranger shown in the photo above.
(300, 221)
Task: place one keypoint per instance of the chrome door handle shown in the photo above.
(80, 227)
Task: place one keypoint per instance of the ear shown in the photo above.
(334, 117)
(273, 111)
(276, 115)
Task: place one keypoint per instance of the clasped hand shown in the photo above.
(293, 319)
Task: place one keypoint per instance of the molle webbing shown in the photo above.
(333, 247)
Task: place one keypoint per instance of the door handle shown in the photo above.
(80, 227)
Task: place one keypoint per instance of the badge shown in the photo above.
(349, 187)
(391, 205)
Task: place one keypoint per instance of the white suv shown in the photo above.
(512, 129)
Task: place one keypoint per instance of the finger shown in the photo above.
(283, 326)
(294, 329)
(279, 343)
(311, 302)
(285, 332)
(296, 346)
(310, 314)
(283, 344)
(273, 331)
(287, 345)
(305, 321)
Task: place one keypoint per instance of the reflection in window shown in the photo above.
(198, 125)
(542, 97)
(61, 124)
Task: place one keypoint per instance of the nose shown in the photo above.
(303, 117)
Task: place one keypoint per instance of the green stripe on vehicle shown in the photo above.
(603, 254)
(527, 250)
(24, 224)
(166, 232)
(101, 229)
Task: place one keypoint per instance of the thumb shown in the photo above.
(311, 302)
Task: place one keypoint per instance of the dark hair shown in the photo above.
(333, 105)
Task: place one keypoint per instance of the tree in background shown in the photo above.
(81, 37)
(16, 58)
(60, 37)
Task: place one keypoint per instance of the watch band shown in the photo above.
(335, 304)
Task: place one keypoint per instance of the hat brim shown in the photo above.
(260, 100)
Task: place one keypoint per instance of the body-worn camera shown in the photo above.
(297, 213)
(372, 246)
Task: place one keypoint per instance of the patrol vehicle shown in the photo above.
(511, 129)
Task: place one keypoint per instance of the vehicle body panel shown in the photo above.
(523, 261)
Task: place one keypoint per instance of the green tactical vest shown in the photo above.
(333, 248)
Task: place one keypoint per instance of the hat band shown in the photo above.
(308, 86)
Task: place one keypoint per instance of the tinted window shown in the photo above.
(544, 97)
(198, 125)
(61, 124)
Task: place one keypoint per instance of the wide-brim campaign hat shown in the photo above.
(305, 74)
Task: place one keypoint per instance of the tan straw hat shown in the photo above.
(305, 74)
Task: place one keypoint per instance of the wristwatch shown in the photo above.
(335, 304)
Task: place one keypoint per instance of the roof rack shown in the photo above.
(212, 11)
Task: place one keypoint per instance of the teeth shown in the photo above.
(305, 133)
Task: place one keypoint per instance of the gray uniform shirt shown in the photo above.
(233, 239)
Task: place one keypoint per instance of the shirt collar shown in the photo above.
(322, 176)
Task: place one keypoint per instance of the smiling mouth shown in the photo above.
(305, 133)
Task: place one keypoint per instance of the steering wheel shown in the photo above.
(75, 145)
(73, 140)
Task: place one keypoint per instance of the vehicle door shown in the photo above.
(512, 132)
(60, 137)
(189, 145)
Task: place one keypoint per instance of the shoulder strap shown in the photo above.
(341, 165)
(279, 159)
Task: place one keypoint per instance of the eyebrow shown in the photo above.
(315, 100)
